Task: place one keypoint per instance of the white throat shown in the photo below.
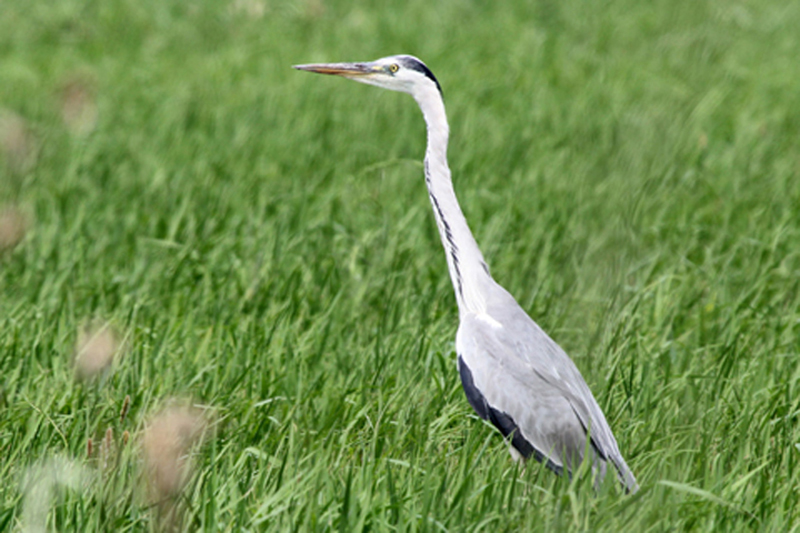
(468, 271)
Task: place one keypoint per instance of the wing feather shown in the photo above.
(523, 373)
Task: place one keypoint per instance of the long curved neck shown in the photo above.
(468, 270)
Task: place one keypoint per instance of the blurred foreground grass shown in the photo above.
(261, 243)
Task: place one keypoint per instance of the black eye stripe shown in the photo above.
(414, 64)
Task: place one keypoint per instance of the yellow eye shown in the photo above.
(393, 68)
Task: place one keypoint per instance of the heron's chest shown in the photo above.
(476, 333)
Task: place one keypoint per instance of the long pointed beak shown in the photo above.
(348, 70)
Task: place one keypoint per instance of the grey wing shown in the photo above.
(518, 378)
(501, 388)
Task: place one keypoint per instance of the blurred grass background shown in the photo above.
(261, 243)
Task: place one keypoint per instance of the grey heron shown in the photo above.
(514, 375)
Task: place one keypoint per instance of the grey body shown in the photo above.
(513, 373)
(521, 373)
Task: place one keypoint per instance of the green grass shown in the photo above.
(262, 240)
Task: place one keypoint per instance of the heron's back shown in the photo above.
(524, 375)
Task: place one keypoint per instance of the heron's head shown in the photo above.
(399, 73)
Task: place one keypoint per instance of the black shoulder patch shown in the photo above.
(415, 64)
(500, 419)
